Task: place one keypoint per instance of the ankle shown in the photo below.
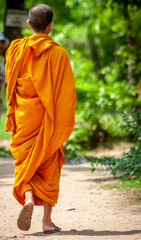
(29, 196)
(47, 221)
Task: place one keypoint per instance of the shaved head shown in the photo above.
(40, 16)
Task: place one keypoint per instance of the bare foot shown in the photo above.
(49, 227)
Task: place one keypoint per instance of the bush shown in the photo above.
(132, 124)
(130, 163)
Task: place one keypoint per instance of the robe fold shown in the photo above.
(41, 100)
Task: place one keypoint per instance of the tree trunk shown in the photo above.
(94, 55)
(130, 42)
(13, 32)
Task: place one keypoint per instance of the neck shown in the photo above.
(33, 32)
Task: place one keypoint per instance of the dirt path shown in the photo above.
(96, 213)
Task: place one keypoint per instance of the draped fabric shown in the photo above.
(41, 101)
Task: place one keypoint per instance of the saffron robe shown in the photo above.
(41, 100)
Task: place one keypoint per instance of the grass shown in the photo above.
(3, 134)
(132, 187)
(120, 184)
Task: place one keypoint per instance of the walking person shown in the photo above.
(41, 101)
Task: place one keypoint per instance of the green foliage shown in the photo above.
(4, 153)
(130, 163)
(2, 14)
(105, 56)
(132, 124)
(3, 134)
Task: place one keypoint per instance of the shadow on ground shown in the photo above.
(89, 232)
(101, 179)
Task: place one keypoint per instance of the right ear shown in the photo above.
(28, 22)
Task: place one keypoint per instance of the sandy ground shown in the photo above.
(84, 210)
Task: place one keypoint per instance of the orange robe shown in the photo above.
(41, 101)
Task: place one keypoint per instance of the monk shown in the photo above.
(41, 100)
